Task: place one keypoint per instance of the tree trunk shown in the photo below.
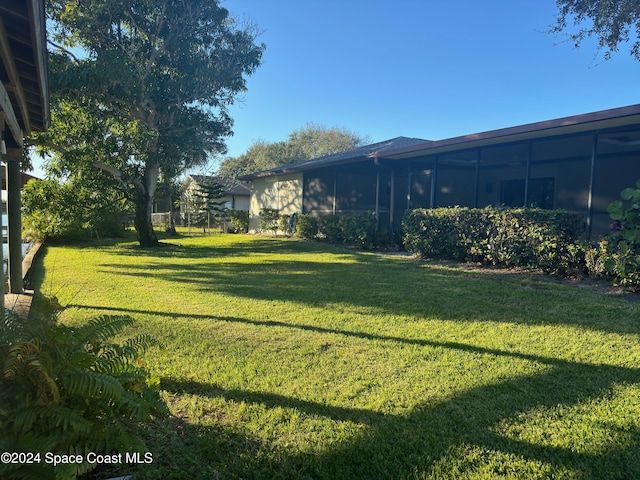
(144, 207)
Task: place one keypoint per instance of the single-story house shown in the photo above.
(578, 163)
(236, 192)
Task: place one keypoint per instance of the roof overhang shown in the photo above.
(302, 167)
(589, 122)
(24, 88)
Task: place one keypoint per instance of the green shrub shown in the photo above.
(307, 226)
(286, 223)
(70, 390)
(528, 238)
(71, 211)
(269, 219)
(626, 215)
(623, 252)
(239, 220)
(329, 227)
(358, 229)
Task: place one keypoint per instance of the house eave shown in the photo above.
(24, 84)
(601, 120)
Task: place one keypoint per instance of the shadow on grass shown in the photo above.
(347, 333)
(388, 285)
(432, 437)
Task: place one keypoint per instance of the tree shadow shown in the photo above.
(375, 282)
(404, 446)
(421, 441)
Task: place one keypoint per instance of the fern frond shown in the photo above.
(35, 471)
(89, 384)
(102, 328)
(32, 442)
(142, 343)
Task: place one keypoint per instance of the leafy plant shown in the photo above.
(239, 220)
(358, 229)
(307, 226)
(626, 215)
(528, 238)
(71, 211)
(329, 227)
(71, 390)
(269, 219)
(286, 224)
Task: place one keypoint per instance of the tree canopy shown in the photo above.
(612, 22)
(150, 92)
(312, 141)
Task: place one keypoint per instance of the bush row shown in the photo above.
(357, 229)
(550, 240)
(526, 238)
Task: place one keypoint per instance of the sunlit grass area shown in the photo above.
(290, 359)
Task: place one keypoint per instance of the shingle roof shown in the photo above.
(341, 157)
(231, 185)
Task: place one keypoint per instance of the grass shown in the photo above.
(288, 359)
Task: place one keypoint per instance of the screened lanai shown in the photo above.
(578, 163)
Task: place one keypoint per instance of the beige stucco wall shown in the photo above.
(283, 193)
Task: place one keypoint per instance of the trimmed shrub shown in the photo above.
(239, 220)
(527, 238)
(269, 219)
(358, 229)
(329, 227)
(307, 226)
(286, 224)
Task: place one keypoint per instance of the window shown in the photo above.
(540, 193)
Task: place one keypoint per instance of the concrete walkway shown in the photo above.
(20, 303)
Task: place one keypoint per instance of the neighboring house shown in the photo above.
(24, 108)
(236, 197)
(578, 163)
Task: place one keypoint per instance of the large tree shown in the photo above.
(312, 141)
(142, 87)
(612, 22)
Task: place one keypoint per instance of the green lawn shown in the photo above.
(289, 359)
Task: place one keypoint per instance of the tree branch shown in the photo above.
(61, 48)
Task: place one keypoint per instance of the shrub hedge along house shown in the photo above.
(578, 163)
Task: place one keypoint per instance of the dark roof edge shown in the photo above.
(299, 167)
(529, 128)
(362, 152)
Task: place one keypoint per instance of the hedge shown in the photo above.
(527, 238)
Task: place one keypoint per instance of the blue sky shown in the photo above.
(430, 69)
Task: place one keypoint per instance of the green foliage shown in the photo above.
(301, 360)
(269, 220)
(329, 228)
(626, 214)
(310, 142)
(307, 226)
(612, 22)
(527, 238)
(208, 206)
(286, 223)
(71, 390)
(358, 229)
(239, 220)
(151, 93)
(622, 255)
(75, 210)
